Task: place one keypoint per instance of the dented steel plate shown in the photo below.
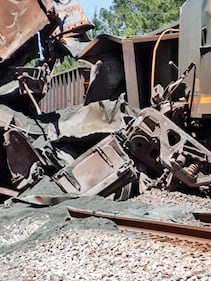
(102, 169)
(72, 17)
(20, 20)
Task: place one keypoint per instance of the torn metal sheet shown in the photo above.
(75, 45)
(26, 32)
(72, 17)
(20, 20)
(107, 71)
(28, 126)
(22, 159)
(40, 200)
(102, 170)
(8, 88)
(97, 117)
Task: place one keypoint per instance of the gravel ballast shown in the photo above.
(44, 244)
(107, 255)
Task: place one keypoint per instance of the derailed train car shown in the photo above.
(167, 75)
(143, 121)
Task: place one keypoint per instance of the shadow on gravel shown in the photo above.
(22, 226)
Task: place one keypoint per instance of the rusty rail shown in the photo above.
(144, 224)
(66, 89)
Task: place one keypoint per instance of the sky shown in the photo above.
(89, 6)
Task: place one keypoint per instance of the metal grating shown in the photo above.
(66, 89)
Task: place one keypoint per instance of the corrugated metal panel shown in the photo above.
(66, 89)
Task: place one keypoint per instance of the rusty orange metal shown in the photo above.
(72, 17)
(20, 20)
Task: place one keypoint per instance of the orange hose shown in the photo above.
(155, 53)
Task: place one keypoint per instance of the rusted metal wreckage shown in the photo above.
(137, 124)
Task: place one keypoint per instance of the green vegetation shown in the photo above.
(99, 27)
(67, 63)
(132, 17)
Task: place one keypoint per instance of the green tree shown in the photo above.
(67, 64)
(98, 26)
(138, 16)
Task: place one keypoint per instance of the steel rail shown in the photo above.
(144, 224)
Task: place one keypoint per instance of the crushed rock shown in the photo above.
(45, 244)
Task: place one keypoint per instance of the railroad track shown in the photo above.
(153, 228)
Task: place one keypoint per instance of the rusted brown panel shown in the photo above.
(20, 20)
(130, 73)
(104, 43)
(71, 16)
(102, 170)
(20, 155)
(153, 38)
